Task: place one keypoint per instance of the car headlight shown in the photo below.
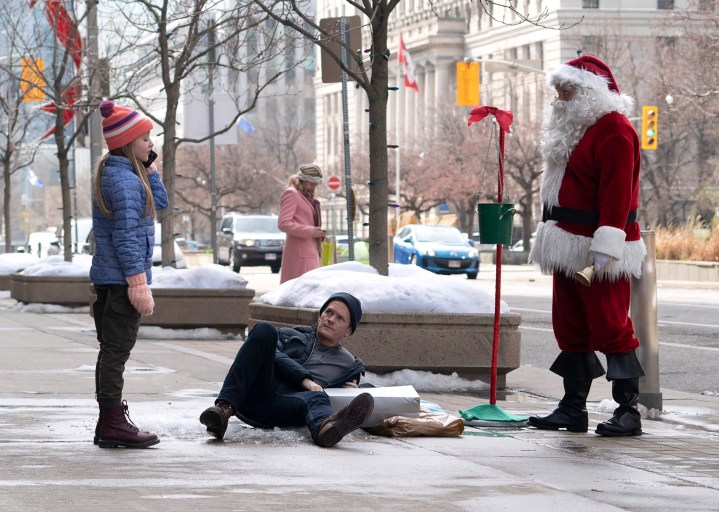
(473, 253)
(245, 241)
(430, 253)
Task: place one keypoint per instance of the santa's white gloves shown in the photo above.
(600, 260)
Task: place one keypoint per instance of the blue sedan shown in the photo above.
(439, 249)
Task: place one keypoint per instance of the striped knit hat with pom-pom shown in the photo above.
(122, 125)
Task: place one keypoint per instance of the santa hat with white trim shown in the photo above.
(591, 73)
(122, 125)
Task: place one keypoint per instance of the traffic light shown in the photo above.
(32, 82)
(650, 115)
(467, 84)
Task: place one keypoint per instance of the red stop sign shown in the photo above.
(334, 183)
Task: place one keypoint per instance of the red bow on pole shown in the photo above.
(503, 117)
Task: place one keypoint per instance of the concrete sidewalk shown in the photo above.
(47, 417)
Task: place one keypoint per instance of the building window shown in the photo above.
(665, 4)
(590, 4)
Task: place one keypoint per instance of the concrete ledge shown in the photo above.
(670, 270)
(190, 308)
(184, 308)
(440, 343)
(71, 291)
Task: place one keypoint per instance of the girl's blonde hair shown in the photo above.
(141, 172)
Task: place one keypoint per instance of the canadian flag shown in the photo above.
(405, 60)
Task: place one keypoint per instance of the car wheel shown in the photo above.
(275, 269)
(234, 263)
(472, 275)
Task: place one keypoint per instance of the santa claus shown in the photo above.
(590, 191)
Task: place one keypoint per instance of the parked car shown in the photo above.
(79, 232)
(250, 240)
(89, 248)
(439, 249)
(41, 243)
(519, 244)
(190, 245)
(477, 243)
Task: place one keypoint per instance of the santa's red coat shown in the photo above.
(602, 176)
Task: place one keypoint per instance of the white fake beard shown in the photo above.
(565, 123)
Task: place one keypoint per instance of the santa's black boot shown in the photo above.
(571, 412)
(578, 369)
(624, 371)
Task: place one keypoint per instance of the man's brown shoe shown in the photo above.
(347, 419)
(215, 418)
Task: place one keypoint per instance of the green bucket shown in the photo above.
(495, 222)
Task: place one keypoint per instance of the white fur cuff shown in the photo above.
(609, 240)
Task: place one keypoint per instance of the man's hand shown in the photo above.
(311, 385)
(350, 384)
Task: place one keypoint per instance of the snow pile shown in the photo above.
(204, 277)
(11, 262)
(56, 266)
(407, 289)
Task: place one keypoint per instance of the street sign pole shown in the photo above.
(346, 131)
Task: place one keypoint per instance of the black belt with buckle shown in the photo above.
(561, 214)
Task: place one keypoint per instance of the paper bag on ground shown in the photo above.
(388, 401)
(428, 424)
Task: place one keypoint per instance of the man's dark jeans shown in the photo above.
(252, 388)
(117, 323)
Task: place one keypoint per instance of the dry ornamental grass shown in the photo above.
(690, 242)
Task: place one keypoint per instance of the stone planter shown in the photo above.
(70, 291)
(184, 308)
(5, 282)
(440, 343)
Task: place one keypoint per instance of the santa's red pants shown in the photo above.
(595, 318)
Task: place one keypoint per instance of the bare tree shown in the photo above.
(523, 167)
(51, 34)
(252, 173)
(175, 48)
(371, 75)
(688, 149)
(467, 163)
(17, 117)
(678, 74)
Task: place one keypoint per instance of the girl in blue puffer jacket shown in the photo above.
(128, 191)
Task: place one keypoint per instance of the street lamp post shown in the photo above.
(211, 110)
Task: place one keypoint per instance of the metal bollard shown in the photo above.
(644, 316)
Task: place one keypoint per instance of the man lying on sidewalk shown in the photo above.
(279, 375)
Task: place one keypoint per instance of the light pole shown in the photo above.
(94, 92)
(211, 110)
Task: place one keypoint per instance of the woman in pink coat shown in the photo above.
(300, 218)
